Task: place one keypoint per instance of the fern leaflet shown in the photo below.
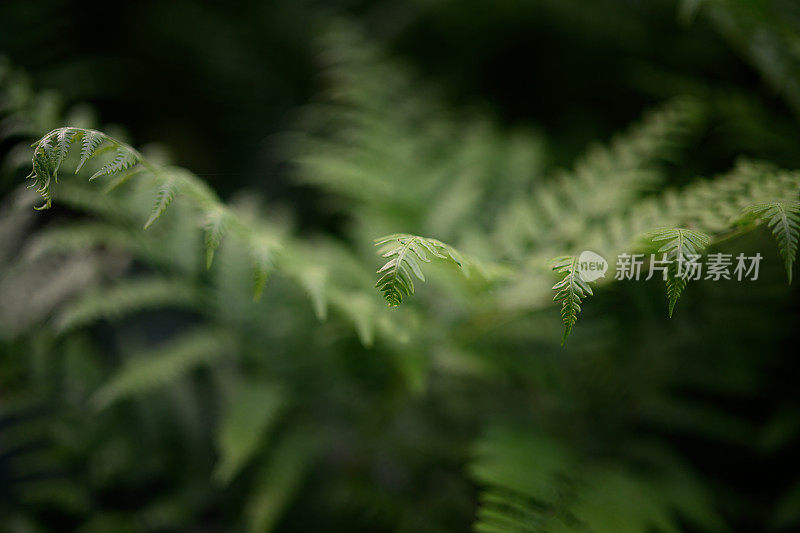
(126, 298)
(532, 482)
(161, 366)
(569, 292)
(166, 193)
(52, 149)
(783, 218)
(123, 160)
(253, 409)
(89, 144)
(262, 257)
(681, 247)
(396, 281)
(215, 226)
(127, 162)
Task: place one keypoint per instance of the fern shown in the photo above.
(279, 477)
(266, 248)
(167, 191)
(90, 142)
(125, 298)
(569, 292)
(404, 257)
(536, 483)
(253, 408)
(713, 206)
(123, 160)
(52, 149)
(217, 218)
(262, 255)
(405, 252)
(783, 217)
(459, 184)
(215, 226)
(678, 246)
(161, 366)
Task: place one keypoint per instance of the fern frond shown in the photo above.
(122, 179)
(90, 142)
(52, 149)
(125, 298)
(64, 139)
(715, 206)
(215, 226)
(161, 366)
(314, 279)
(569, 292)
(78, 237)
(607, 178)
(279, 477)
(679, 246)
(783, 217)
(533, 483)
(262, 255)
(123, 160)
(405, 253)
(216, 218)
(167, 191)
(358, 309)
(252, 410)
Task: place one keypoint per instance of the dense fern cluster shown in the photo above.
(708, 205)
(546, 488)
(279, 377)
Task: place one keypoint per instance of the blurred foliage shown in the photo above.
(142, 388)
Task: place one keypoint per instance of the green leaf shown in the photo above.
(123, 178)
(252, 410)
(278, 478)
(783, 217)
(314, 279)
(64, 137)
(123, 160)
(678, 245)
(167, 191)
(161, 366)
(125, 298)
(261, 256)
(569, 292)
(404, 253)
(215, 226)
(91, 141)
(532, 482)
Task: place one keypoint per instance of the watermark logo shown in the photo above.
(717, 266)
(592, 266)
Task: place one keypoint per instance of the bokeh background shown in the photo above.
(689, 424)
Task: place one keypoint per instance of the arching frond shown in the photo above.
(215, 217)
(52, 149)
